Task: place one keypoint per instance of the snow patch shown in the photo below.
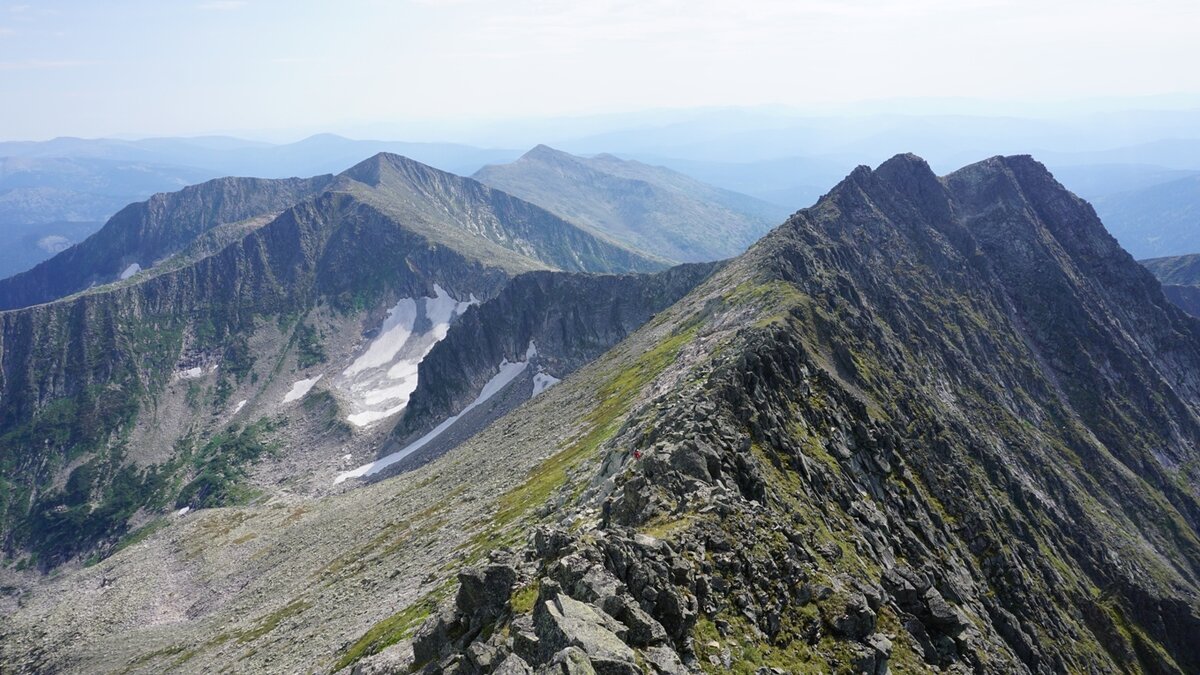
(543, 381)
(238, 408)
(379, 383)
(191, 373)
(300, 388)
(130, 271)
(508, 373)
(183, 511)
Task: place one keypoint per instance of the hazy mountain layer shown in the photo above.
(1180, 277)
(651, 208)
(1159, 220)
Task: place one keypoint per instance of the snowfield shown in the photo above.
(508, 373)
(379, 383)
(130, 271)
(300, 388)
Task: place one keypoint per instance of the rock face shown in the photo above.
(570, 318)
(149, 231)
(960, 435)
(657, 210)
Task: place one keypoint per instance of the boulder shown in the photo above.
(513, 665)
(483, 593)
(568, 661)
(563, 622)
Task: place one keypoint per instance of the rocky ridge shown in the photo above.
(146, 232)
(903, 464)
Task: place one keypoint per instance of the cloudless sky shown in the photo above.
(155, 67)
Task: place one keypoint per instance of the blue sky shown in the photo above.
(190, 67)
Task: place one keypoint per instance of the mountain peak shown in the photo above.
(543, 152)
(372, 170)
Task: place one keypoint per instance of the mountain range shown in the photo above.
(409, 422)
(657, 210)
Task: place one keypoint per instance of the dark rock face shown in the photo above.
(960, 433)
(571, 318)
(148, 231)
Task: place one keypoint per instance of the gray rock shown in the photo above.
(665, 661)
(856, 620)
(643, 628)
(432, 639)
(942, 614)
(568, 661)
(483, 655)
(483, 593)
(513, 665)
(564, 622)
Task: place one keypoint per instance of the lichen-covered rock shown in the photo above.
(562, 622)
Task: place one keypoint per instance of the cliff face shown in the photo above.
(569, 318)
(146, 232)
(78, 373)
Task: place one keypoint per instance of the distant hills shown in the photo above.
(50, 202)
(1156, 220)
(781, 156)
(657, 210)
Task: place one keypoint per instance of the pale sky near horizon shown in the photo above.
(188, 67)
